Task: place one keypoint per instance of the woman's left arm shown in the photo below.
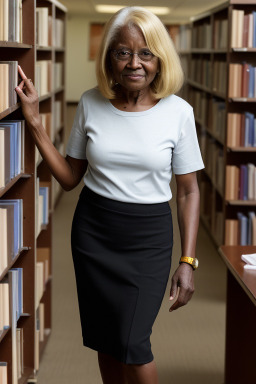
(188, 200)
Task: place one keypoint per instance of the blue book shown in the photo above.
(243, 228)
(19, 272)
(44, 191)
(254, 29)
(251, 81)
(251, 216)
(249, 129)
(254, 142)
(16, 145)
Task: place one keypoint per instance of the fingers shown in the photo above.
(183, 297)
(19, 90)
(182, 286)
(22, 74)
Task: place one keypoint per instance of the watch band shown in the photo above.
(190, 260)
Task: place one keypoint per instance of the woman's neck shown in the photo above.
(134, 101)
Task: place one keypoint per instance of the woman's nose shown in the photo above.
(134, 61)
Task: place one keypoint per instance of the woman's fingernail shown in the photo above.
(171, 298)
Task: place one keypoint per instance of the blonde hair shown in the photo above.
(170, 78)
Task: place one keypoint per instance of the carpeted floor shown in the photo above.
(188, 344)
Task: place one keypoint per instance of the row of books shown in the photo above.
(11, 20)
(8, 81)
(43, 27)
(42, 205)
(211, 213)
(183, 38)
(43, 77)
(241, 231)
(242, 80)
(201, 71)
(241, 130)
(219, 76)
(11, 150)
(220, 34)
(202, 36)
(3, 373)
(241, 182)
(210, 112)
(45, 69)
(48, 31)
(214, 163)
(11, 234)
(243, 30)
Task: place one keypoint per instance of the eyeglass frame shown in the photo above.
(132, 54)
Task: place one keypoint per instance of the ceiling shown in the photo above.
(180, 10)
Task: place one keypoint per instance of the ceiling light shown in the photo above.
(102, 8)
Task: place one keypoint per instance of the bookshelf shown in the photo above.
(220, 61)
(22, 340)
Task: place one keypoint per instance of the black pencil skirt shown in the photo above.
(122, 259)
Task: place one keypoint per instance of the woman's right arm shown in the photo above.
(68, 171)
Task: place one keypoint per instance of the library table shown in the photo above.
(240, 354)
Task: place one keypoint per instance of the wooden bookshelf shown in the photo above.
(23, 186)
(208, 60)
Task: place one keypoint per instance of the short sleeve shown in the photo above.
(77, 141)
(186, 154)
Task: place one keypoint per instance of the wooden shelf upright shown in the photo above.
(37, 246)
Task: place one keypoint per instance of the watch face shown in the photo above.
(195, 263)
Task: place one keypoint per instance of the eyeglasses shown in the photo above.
(125, 55)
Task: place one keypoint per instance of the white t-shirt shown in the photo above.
(131, 154)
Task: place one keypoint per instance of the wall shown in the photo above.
(80, 74)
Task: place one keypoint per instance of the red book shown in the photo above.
(245, 79)
(245, 31)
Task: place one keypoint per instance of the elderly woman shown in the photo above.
(129, 133)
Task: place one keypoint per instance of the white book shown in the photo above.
(6, 305)
(249, 259)
(6, 20)
(3, 372)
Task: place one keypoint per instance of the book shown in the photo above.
(232, 182)
(249, 259)
(43, 79)
(14, 141)
(231, 232)
(4, 306)
(3, 240)
(9, 81)
(3, 372)
(14, 225)
(42, 26)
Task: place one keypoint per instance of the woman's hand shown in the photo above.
(29, 99)
(182, 286)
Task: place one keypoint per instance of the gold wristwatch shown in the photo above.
(190, 260)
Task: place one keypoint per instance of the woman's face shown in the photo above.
(133, 74)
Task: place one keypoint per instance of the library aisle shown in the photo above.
(188, 344)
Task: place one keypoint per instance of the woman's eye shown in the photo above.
(145, 53)
(123, 53)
